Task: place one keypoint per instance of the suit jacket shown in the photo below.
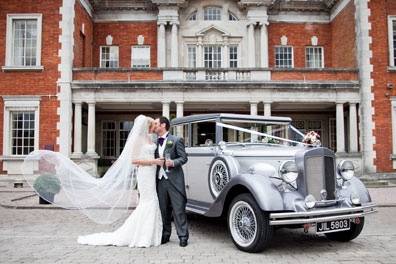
(179, 157)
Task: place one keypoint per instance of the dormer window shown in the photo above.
(193, 16)
(212, 13)
(232, 17)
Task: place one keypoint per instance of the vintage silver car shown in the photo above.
(255, 171)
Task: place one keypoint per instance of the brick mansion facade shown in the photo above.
(75, 73)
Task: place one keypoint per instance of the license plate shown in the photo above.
(333, 226)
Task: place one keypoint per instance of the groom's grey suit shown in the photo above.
(171, 192)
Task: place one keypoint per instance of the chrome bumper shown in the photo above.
(316, 216)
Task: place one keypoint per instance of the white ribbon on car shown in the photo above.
(259, 133)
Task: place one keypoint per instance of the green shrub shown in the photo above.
(47, 184)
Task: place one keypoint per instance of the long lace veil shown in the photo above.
(104, 200)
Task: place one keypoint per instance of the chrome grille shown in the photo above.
(319, 175)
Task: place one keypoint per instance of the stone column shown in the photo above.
(161, 50)
(179, 113)
(264, 45)
(174, 46)
(267, 108)
(353, 135)
(251, 46)
(91, 130)
(253, 107)
(166, 109)
(199, 53)
(253, 111)
(225, 56)
(340, 127)
(77, 129)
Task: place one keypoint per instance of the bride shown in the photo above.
(107, 199)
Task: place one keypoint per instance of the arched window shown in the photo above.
(212, 13)
(232, 16)
(192, 16)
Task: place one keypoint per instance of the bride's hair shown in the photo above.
(150, 123)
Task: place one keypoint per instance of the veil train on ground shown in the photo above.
(104, 200)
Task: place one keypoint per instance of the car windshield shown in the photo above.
(246, 131)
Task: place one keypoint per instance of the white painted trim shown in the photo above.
(127, 15)
(87, 6)
(297, 17)
(390, 41)
(9, 37)
(66, 54)
(20, 103)
(366, 109)
(19, 68)
(338, 8)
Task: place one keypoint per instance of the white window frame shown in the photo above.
(141, 46)
(322, 56)
(237, 55)
(115, 138)
(19, 103)
(192, 16)
(118, 55)
(232, 16)
(292, 56)
(191, 64)
(209, 17)
(213, 52)
(9, 42)
(390, 41)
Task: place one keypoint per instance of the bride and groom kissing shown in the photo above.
(161, 188)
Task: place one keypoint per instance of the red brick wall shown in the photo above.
(34, 83)
(380, 9)
(314, 75)
(299, 36)
(125, 35)
(344, 38)
(82, 41)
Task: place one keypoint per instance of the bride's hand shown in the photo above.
(137, 162)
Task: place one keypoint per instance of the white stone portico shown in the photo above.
(131, 99)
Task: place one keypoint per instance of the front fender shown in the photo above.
(356, 185)
(263, 190)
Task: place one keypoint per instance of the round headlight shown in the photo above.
(310, 201)
(346, 169)
(288, 171)
(355, 199)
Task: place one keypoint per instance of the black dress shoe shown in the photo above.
(164, 240)
(183, 242)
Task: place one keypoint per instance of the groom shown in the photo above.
(170, 183)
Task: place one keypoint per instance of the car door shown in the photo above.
(200, 155)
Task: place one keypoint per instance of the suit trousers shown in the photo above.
(169, 197)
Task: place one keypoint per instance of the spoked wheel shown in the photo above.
(248, 225)
(348, 235)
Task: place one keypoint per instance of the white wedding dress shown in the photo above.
(143, 228)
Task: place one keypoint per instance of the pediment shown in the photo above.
(212, 30)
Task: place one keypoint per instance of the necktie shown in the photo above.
(161, 141)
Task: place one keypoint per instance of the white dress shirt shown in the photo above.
(161, 149)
